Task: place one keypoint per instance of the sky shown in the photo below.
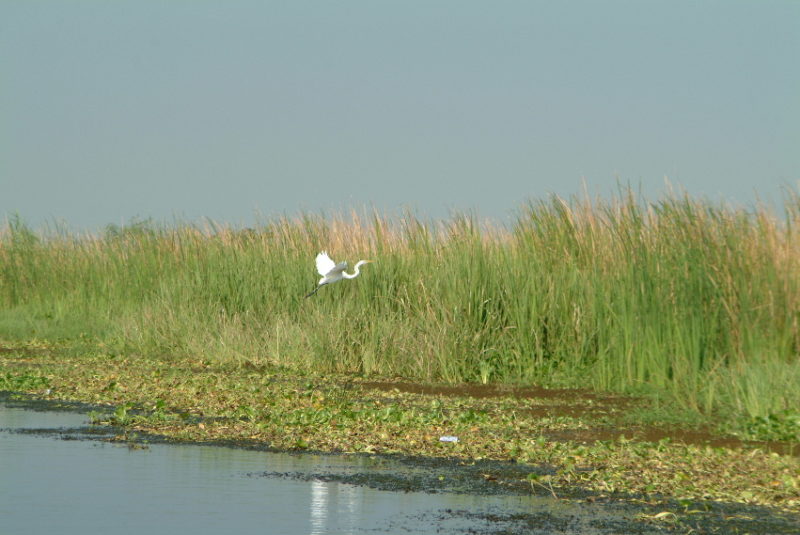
(239, 111)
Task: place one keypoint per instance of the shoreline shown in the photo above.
(197, 402)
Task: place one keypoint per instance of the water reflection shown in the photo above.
(319, 507)
(343, 500)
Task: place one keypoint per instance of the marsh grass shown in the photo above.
(692, 300)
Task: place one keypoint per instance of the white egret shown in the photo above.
(332, 272)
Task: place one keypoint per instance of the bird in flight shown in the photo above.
(332, 272)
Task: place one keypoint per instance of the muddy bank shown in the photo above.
(561, 509)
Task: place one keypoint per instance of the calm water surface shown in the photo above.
(49, 485)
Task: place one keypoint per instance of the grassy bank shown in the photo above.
(683, 299)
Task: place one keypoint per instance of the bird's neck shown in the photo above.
(356, 271)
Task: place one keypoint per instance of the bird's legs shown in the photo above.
(314, 292)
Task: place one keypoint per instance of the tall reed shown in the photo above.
(696, 300)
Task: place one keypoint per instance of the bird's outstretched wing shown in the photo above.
(338, 268)
(325, 264)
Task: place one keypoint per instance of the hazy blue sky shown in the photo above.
(225, 109)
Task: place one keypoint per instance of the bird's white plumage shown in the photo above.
(324, 263)
(333, 272)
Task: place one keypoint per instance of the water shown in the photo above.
(52, 485)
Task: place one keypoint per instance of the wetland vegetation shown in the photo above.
(202, 332)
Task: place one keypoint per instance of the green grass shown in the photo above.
(693, 302)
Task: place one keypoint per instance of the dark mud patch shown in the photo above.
(480, 391)
(683, 436)
(498, 522)
(589, 405)
(23, 351)
(17, 400)
(431, 475)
